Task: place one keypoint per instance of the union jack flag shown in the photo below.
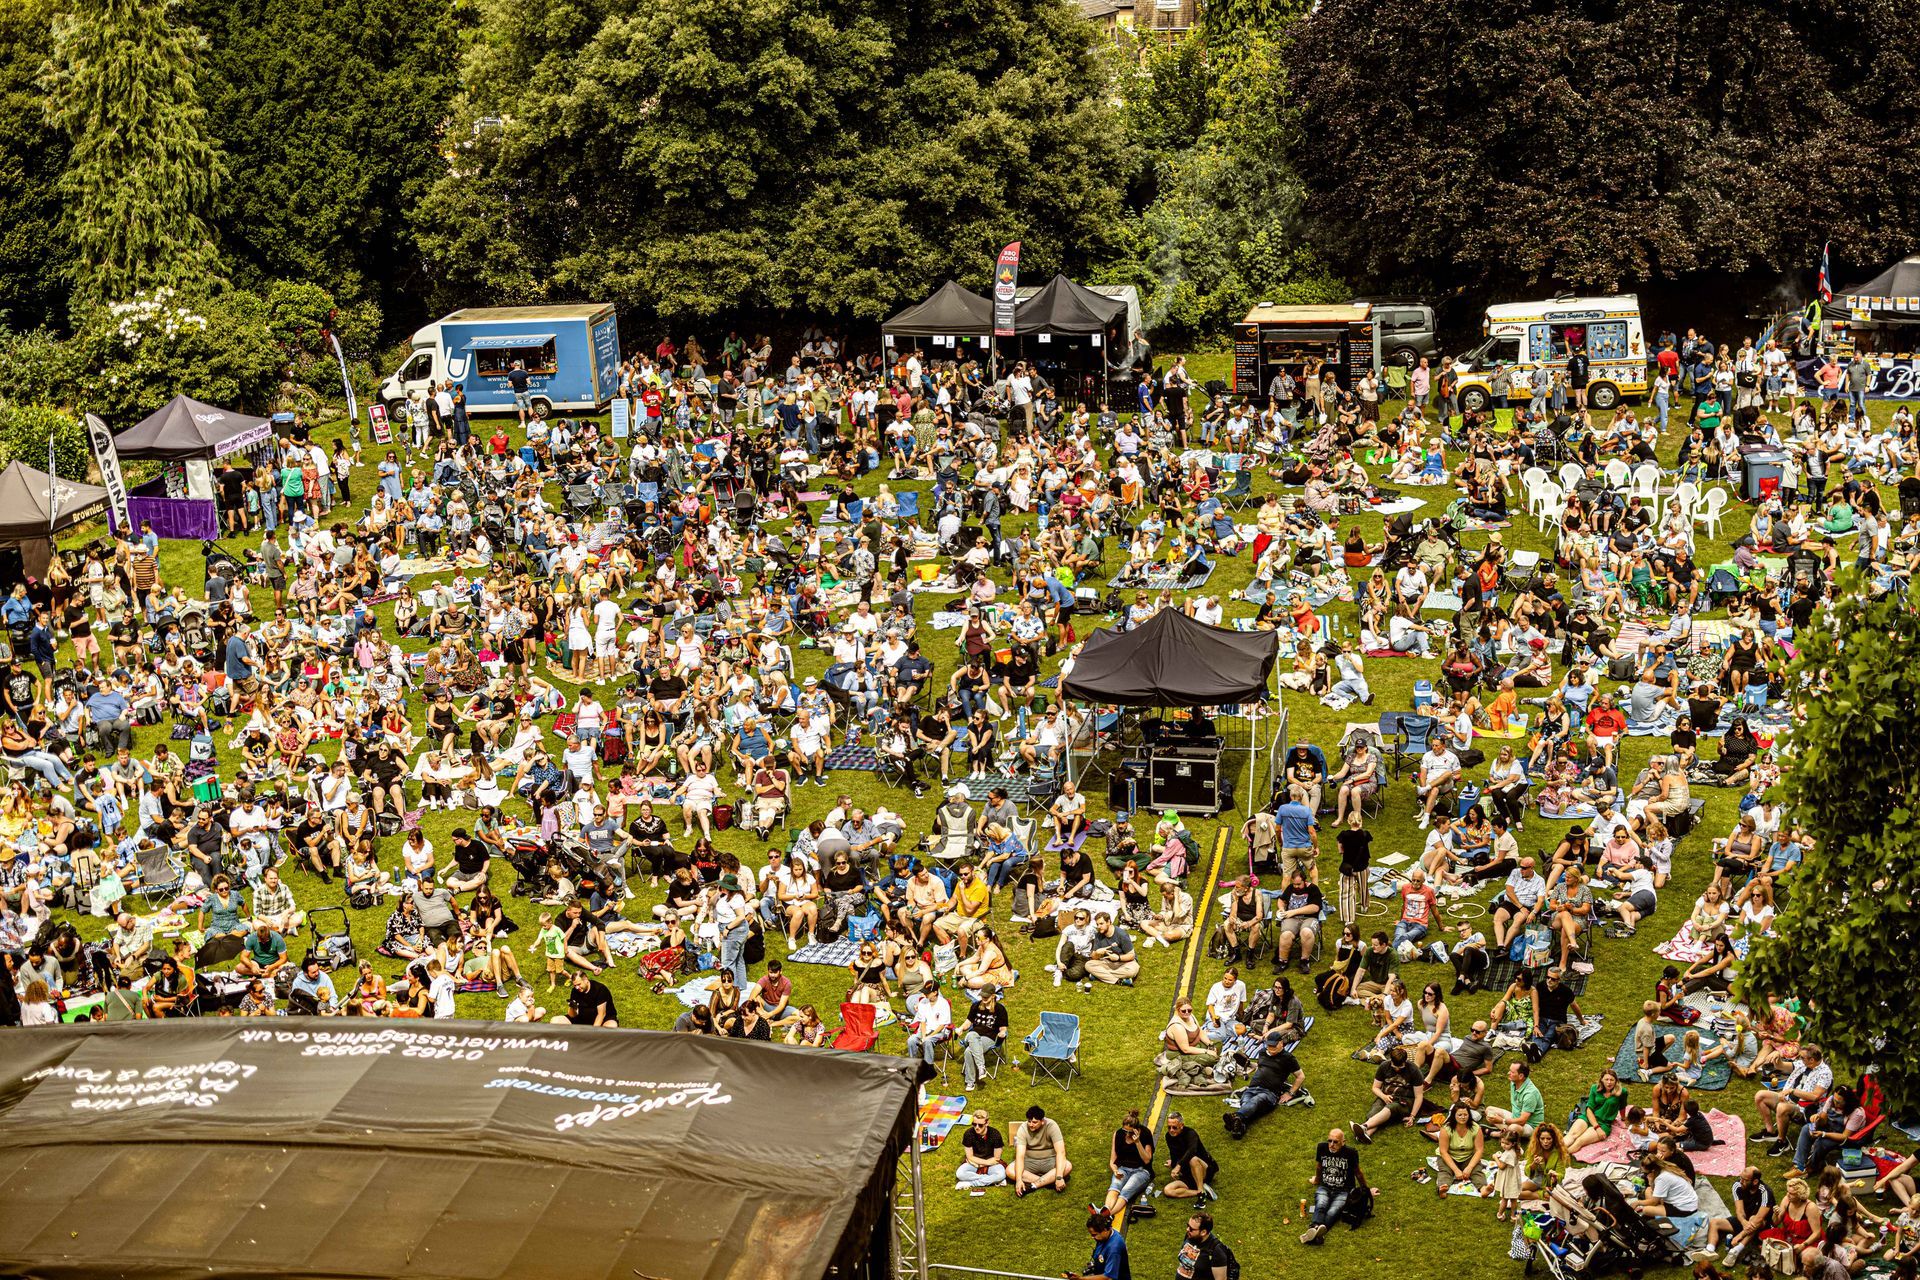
(1826, 282)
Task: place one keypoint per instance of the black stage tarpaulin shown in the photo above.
(310, 1147)
(1172, 661)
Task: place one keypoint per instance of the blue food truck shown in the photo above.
(571, 354)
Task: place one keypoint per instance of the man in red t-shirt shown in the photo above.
(1417, 900)
(497, 442)
(1669, 361)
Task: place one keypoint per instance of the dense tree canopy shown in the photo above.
(1850, 922)
(1220, 226)
(1597, 144)
(693, 157)
(32, 262)
(329, 116)
(121, 82)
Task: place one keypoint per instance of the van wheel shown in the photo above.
(1406, 356)
(396, 410)
(1603, 395)
(1474, 399)
(540, 407)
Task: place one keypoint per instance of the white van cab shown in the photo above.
(1532, 340)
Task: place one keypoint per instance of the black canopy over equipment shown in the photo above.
(189, 428)
(1172, 661)
(949, 310)
(344, 1148)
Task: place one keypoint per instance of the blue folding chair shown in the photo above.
(1054, 1048)
(910, 505)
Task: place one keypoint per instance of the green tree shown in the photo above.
(690, 158)
(1521, 144)
(143, 170)
(134, 356)
(1850, 920)
(1223, 227)
(33, 262)
(25, 430)
(332, 112)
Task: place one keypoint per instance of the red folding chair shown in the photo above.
(856, 1032)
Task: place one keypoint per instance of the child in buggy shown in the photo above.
(1596, 1229)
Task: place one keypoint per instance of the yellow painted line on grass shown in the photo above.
(1189, 969)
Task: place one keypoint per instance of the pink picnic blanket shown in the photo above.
(1724, 1160)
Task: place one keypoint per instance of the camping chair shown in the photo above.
(1408, 731)
(1054, 1047)
(1521, 571)
(161, 878)
(1239, 493)
(856, 1033)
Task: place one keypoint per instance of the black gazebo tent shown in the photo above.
(1894, 294)
(188, 428)
(1062, 306)
(35, 506)
(949, 309)
(217, 1147)
(1172, 661)
(1068, 332)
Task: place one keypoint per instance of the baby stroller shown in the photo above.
(331, 940)
(1600, 1232)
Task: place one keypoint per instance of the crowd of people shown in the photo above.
(542, 703)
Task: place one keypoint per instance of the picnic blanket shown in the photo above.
(696, 991)
(1399, 505)
(1057, 845)
(1725, 1159)
(1502, 968)
(1479, 1186)
(1019, 786)
(848, 756)
(1713, 1075)
(838, 953)
(1685, 947)
(948, 620)
(939, 1114)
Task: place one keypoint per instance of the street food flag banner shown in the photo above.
(1006, 283)
(346, 383)
(108, 459)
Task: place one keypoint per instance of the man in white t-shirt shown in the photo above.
(1020, 391)
(1439, 775)
(809, 751)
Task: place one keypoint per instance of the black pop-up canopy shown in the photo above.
(1893, 294)
(1172, 661)
(1062, 306)
(189, 428)
(310, 1147)
(949, 309)
(34, 504)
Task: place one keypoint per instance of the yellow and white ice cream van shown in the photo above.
(1533, 340)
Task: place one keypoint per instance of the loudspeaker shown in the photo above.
(1185, 782)
(1128, 787)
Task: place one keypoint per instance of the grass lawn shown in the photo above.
(1264, 1176)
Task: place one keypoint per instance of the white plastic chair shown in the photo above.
(1617, 474)
(1686, 496)
(1553, 504)
(1712, 505)
(1535, 483)
(1646, 483)
(1571, 474)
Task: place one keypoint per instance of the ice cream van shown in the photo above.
(1531, 340)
